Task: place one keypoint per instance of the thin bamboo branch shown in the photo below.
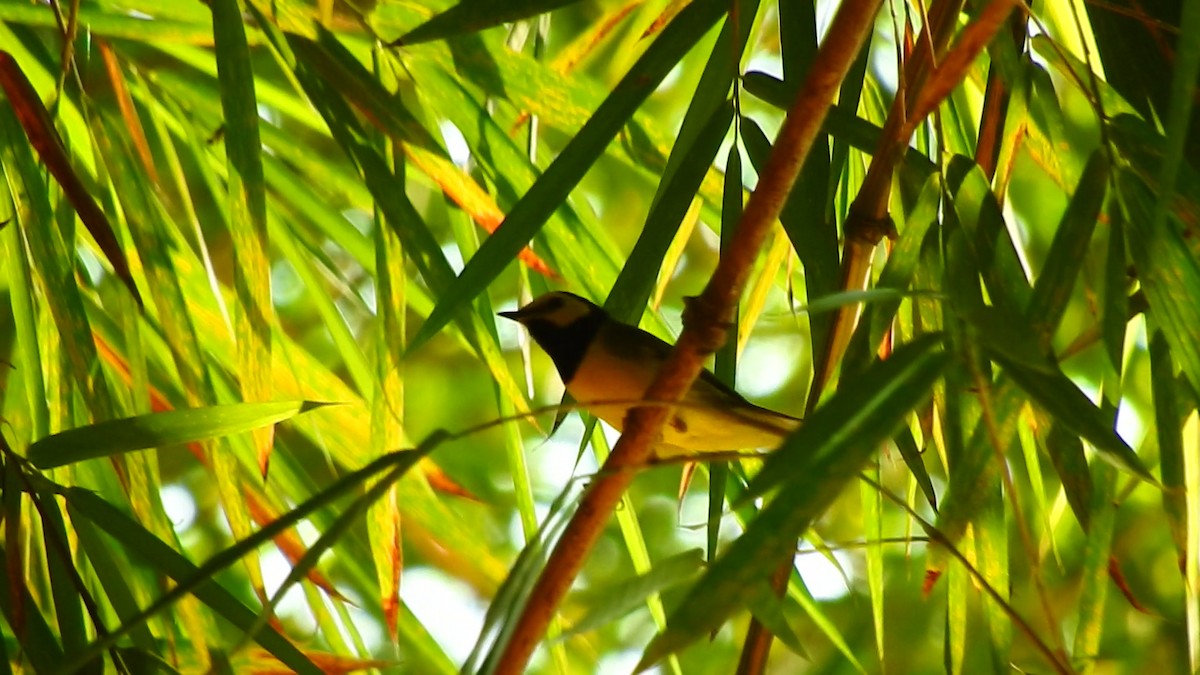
(705, 324)
(928, 77)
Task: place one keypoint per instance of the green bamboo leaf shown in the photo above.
(247, 212)
(40, 131)
(1114, 311)
(987, 237)
(514, 592)
(347, 518)
(800, 595)
(767, 608)
(156, 430)
(631, 290)
(1169, 273)
(991, 530)
(325, 304)
(971, 456)
(914, 458)
(65, 583)
(841, 123)
(712, 92)
(86, 507)
(33, 637)
(621, 598)
(53, 265)
(958, 595)
(116, 24)
(725, 363)
(858, 411)
(1169, 414)
(1070, 463)
(1097, 552)
(199, 580)
(528, 215)
(811, 468)
(997, 330)
(904, 257)
(470, 16)
(872, 515)
(329, 59)
(1068, 251)
(1180, 115)
(119, 581)
(398, 211)
(815, 240)
(1062, 399)
(20, 283)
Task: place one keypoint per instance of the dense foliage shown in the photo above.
(259, 414)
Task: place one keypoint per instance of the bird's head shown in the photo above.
(554, 311)
(564, 324)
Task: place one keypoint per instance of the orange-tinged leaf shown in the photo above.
(443, 483)
(931, 578)
(437, 478)
(389, 559)
(1114, 571)
(288, 543)
(40, 131)
(262, 663)
(668, 13)
(471, 198)
(128, 114)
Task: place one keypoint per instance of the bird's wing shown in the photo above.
(639, 347)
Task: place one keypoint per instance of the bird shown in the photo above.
(607, 366)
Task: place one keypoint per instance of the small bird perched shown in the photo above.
(607, 366)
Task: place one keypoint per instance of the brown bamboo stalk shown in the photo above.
(929, 76)
(705, 323)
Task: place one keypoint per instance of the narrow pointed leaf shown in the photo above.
(1062, 399)
(881, 395)
(810, 469)
(470, 16)
(569, 167)
(247, 202)
(39, 129)
(1054, 284)
(156, 430)
(626, 596)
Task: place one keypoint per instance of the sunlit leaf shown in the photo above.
(157, 430)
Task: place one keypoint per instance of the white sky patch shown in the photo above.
(293, 606)
(766, 62)
(453, 256)
(269, 115)
(671, 78)
(456, 143)
(508, 330)
(554, 459)
(362, 220)
(366, 291)
(823, 579)
(1130, 425)
(621, 663)
(448, 609)
(368, 627)
(767, 364)
(91, 265)
(179, 505)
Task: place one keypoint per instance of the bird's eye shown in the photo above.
(551, 305)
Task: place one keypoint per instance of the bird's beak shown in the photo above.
(514, 315)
